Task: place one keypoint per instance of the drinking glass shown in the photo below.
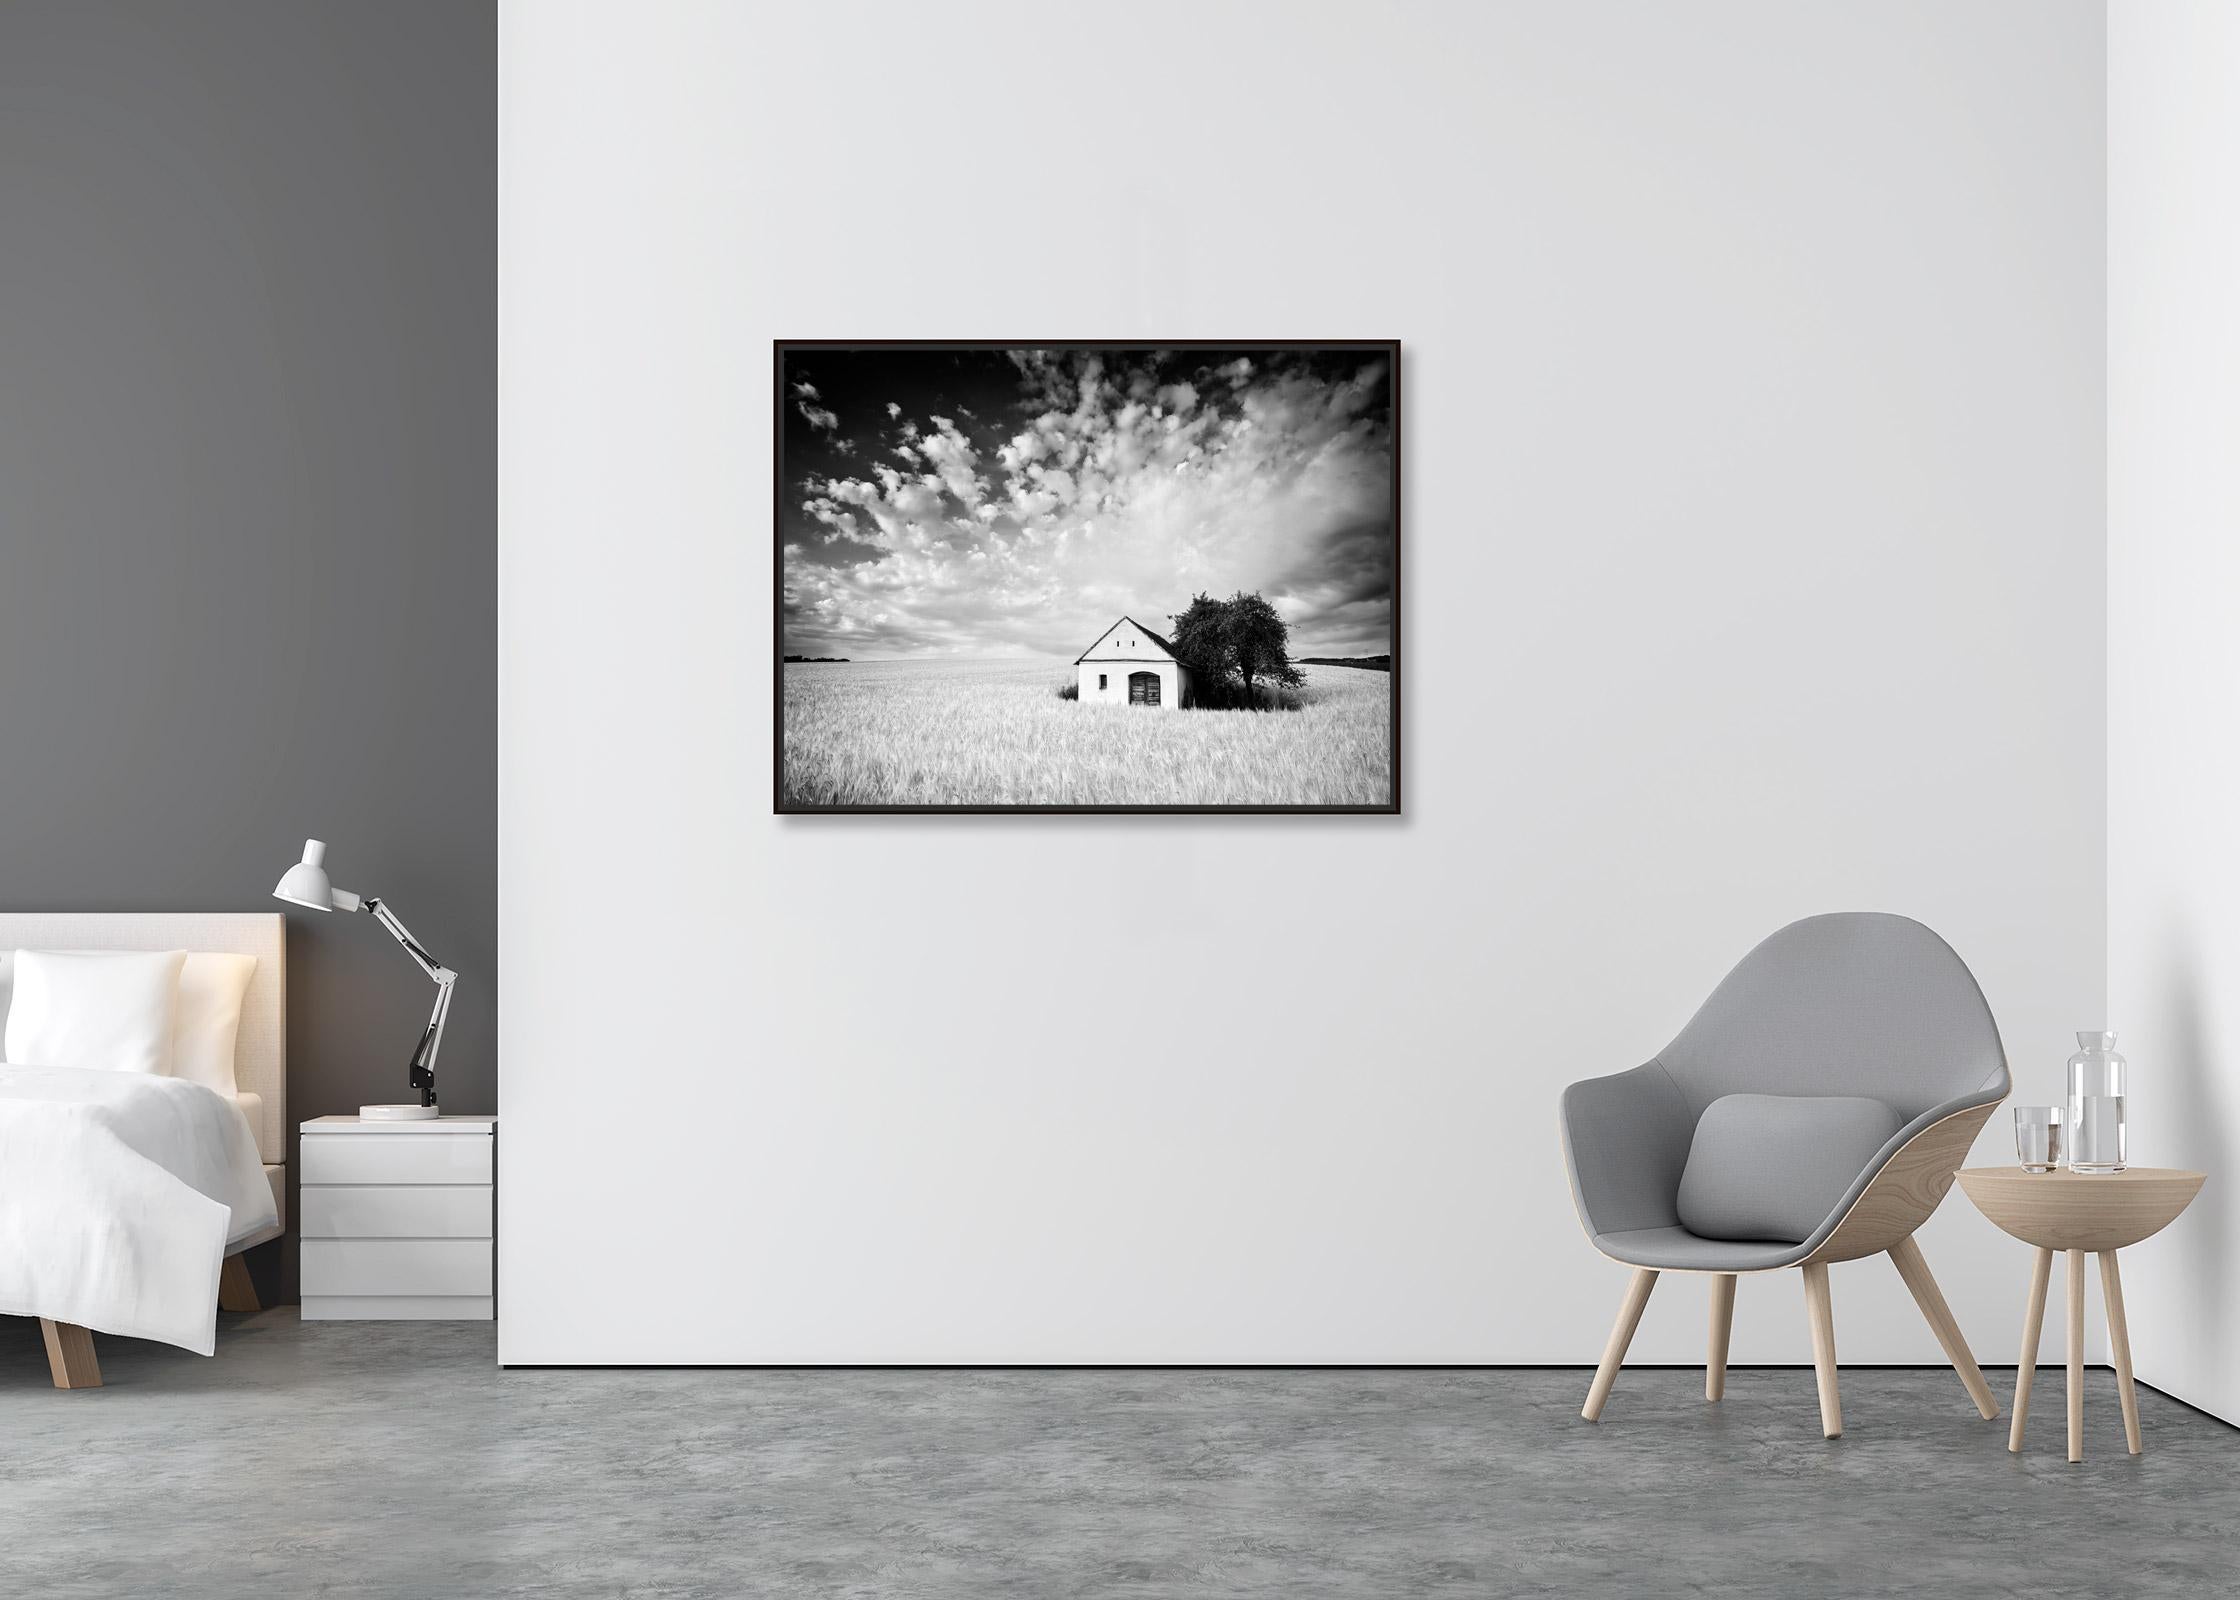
(2037, 1137)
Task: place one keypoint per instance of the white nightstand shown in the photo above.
(397, 1219)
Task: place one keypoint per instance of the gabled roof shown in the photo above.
(1140, 628)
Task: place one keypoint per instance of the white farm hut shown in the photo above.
(1132, 666)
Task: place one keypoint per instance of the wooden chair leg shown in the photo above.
(2076, 1354)
(70, 1355)
(2033, 1322)
(1930, 1299)
(1614, 1353)
(236, 1290)
(1821, 1308)
(1722, 1326)
(2119, 1346)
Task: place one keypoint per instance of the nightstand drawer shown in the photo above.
(397, 1158)
(397, 1267)
(398, 1308)
(396, 1211)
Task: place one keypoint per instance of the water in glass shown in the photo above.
(2037, 1137)
(2096, 1091)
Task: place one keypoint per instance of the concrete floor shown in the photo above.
(364, 1459)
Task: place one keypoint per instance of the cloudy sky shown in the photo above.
(987, 502)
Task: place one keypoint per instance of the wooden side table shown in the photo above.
(2074, 1212)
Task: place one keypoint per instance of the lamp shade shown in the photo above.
(305, 883)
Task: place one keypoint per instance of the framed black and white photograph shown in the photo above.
(1068, 576)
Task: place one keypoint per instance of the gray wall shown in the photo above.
(248, 328)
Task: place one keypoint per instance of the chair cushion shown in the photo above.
(1773, 1166)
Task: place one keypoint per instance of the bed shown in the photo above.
(158, 1219)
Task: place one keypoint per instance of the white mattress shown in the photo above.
(252, 1107)
(277, 1177)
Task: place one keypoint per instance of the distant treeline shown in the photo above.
(841, 659)
(1365, 663)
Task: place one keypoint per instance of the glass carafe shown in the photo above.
(2096, 1091)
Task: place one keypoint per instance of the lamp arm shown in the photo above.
(403, 935)
(423, 1068)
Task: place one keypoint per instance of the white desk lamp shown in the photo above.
(306, 885)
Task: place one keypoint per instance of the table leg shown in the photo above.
(2076, 1355)
(2119, 1345)
(2033, 1321)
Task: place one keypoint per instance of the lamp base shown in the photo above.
(397, 1113)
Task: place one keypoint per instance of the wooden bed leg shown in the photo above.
(70, 1355)
(236, 1291)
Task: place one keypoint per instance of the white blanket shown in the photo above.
(119, 1193)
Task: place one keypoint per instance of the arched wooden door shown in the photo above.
(1143, 688)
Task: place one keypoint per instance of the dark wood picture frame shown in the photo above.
(781, 349)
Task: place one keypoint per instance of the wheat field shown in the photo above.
(993, 733)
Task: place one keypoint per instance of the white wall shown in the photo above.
(1753, 551)
(2174, 663)
(1114, 675)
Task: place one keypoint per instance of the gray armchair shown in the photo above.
(1813, 1111)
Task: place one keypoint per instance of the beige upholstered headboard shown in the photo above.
(260, 1051)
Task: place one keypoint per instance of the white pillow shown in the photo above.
(211, 985)
(115, 1012)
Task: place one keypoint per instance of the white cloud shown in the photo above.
(1114, 494)
(817, 415)
(951, 455)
